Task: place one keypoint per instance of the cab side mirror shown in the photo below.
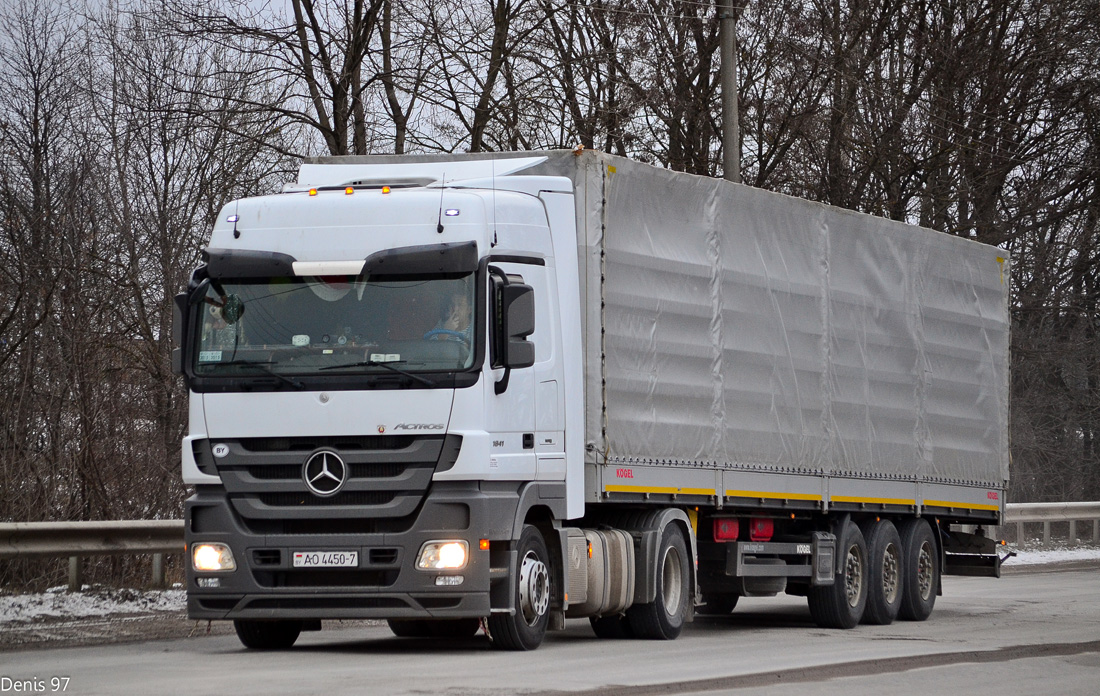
(517, 314)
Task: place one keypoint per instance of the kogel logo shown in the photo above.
(624, 473)
(418, 426)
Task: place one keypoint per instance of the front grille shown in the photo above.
(388, 478)
(267, 557)
(308, 444)
(300, 499)
(289, 472)
(383, 556)
(315, 527)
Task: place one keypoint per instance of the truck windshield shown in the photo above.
(334, 325)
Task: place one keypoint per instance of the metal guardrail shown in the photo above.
(159, 537)
(1020, 513)
(79, 539)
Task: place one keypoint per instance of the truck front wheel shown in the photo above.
(841, 604)
(267, 635)
(525, 629)
(664, 617)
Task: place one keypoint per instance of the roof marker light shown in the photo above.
(313, 192)
(451, 212)
(385, 189)
(233, 218)
(349, 190)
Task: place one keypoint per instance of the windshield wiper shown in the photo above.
(265, 365)
(388, 365)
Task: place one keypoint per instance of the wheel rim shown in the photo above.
(853, 575)
(534, 588)
(890, 566)
(925, 571)
(672, 579)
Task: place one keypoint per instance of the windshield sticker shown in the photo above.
(210, 356)
(385, 357)
(299, 340)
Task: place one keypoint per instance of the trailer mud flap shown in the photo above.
(824, 550)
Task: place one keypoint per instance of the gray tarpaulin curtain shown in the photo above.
(739, 327)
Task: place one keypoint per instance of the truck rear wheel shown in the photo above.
(921, 576)
(664, 617)
(525, 629)
(267, 635)
(841, 604)
(884, 572)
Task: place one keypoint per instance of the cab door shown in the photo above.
(510, 393)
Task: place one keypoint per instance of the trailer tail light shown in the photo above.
(726, 529)
(761, 529)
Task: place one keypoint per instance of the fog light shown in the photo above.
(442, 555)
(210, 557)
(449, 580)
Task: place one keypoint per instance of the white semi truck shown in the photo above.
(470, 393)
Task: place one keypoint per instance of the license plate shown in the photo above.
(326, 559)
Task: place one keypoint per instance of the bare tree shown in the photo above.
(316, 56)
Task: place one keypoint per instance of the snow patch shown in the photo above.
(93, 601)
(1063, 555)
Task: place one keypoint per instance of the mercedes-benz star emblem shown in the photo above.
(325, 473)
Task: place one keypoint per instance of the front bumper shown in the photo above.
(385, 584)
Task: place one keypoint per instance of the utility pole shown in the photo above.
(731, 129)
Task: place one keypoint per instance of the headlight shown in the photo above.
(443, 555)
(209, 557)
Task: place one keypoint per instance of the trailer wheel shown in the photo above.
(921, 577)
(841, 604)
(884, 572)
(267, 635)
(525, 629)
(434, 628)
(718, 604)
(664, 618)
(611, 626)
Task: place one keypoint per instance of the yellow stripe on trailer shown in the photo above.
(964, 506)
(872, 501)
(774, 496)
(671, 490)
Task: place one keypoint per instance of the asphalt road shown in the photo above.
(1036, 632)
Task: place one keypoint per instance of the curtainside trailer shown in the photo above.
(468, 393)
